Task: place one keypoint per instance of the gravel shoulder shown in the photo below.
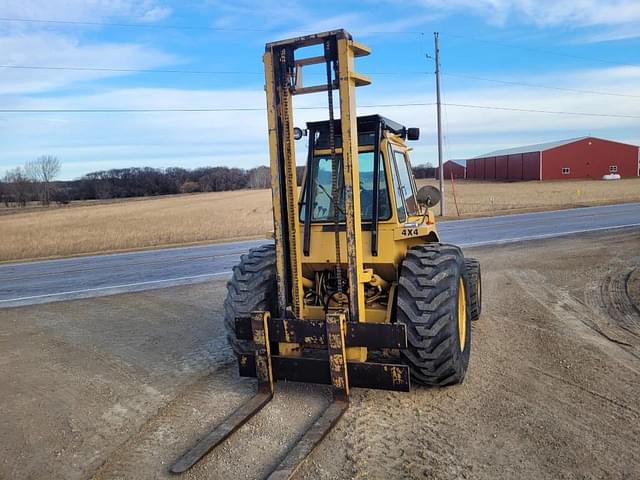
(118, 387)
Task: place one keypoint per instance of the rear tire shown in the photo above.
(252, 287)
(432, 303)
(473, 279)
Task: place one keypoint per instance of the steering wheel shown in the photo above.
(366, 203)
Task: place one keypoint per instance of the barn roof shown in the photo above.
(537, 147)
(461, 162)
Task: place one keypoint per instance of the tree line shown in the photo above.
(33, 182)
(36, 182)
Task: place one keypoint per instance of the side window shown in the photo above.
(405, 184)
(402, 213)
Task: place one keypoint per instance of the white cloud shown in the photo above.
(156, 14)
(44, 44)
(545, 13)
(86, 142)
(85, 10)
(50, 49)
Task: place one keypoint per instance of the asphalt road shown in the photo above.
(84, 277)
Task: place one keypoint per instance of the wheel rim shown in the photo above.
(462, 315)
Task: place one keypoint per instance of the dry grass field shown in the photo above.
(93, 227)
(135, 224)
(480, 198)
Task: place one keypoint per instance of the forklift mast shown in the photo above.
(283, 73)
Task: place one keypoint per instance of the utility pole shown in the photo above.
(440, 168)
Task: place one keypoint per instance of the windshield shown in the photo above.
(321, 189)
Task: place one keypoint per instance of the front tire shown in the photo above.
(432, 303)
(252, 287)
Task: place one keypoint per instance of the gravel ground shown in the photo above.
(118, 387)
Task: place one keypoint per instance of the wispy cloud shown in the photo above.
(546, 12)
(36, 44)
(86, 10)
(88, 142)
(52, 49)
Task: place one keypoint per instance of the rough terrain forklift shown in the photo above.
(357, 290)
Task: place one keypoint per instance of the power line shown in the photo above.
(198, 72)
(552, 112)
(181, 27)
(263, 30)
(542, 50)
(130, 70)
(234, 72)
(189, 110)
(535, 85)
(256, 109)
(129, 25)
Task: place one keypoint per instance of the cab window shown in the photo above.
(404, 183)
(322, 202)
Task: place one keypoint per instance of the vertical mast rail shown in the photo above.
(280, 235)
(351, 172)
(291, 188)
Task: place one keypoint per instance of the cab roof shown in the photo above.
(367, 125)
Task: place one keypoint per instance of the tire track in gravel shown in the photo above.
(586, 314)
(190, 406)
(591, 392)
(390, 435)
(633, 289)
(614, 297)
(176, 425)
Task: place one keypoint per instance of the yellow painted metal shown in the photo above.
(264, 372)
(359, 49)
(394, 237)
(285, 177)
(412, 229)
(462, 314)
(353, 221)
(276, 182)
(337, 353)
(289, 349)
(356, 354)
(392, 296)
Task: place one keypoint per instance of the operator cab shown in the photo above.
(384, 195)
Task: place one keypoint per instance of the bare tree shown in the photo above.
(259, 177)
(18, 185)
(43, 170)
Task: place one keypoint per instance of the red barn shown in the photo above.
(450, 167)
(585, 157)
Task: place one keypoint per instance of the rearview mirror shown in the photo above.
(429, 196)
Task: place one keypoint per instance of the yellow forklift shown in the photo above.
(357, 290)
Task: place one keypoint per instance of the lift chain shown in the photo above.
(290, 172)
(329, 60)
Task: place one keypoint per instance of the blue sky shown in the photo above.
(587, 45)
